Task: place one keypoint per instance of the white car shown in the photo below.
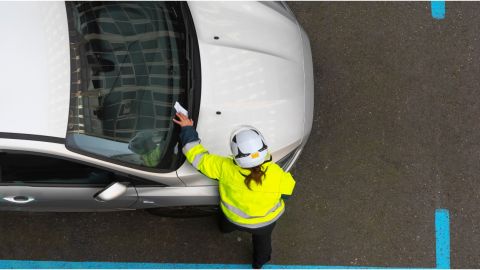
(88, 90)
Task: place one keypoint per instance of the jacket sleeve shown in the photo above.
(208, 164)
(287, 184)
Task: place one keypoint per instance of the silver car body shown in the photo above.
(258, 71)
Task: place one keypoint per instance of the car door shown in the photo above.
(199, 191)
(39, 183)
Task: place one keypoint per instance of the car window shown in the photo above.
(128, 68)
(33, 169)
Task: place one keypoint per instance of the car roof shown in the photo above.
(35, 68)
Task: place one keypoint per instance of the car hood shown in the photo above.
(252, 74)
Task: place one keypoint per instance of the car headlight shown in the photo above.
(285, 6)
(281, 7)
(287, 161)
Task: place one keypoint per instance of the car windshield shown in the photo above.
(128, 68)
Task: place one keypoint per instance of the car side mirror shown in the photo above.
(111, 192)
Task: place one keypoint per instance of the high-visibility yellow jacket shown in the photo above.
(255, 208)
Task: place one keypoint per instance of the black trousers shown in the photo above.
(261, 239)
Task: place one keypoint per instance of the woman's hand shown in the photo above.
(184, 120)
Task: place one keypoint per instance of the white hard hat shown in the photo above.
(248, 147)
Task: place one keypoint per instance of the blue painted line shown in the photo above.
(19, 264)
(438, 9)
(442, 238)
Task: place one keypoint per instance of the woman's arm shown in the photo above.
(210, 165)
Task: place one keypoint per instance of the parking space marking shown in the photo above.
(442, 238)
(442, 248)
(438, 9)
(19, 264)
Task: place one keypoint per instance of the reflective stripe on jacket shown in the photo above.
(254, 208)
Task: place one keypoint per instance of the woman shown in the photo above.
(250, 184)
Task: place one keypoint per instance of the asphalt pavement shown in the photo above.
(394, 138)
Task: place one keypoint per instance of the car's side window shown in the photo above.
(33, 169)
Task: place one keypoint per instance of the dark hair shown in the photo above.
(256, 174)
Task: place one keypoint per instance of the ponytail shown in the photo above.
(256, 174)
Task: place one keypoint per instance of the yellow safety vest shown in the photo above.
(152, 158)
(254, 208)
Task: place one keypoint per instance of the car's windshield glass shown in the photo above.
(128, 68)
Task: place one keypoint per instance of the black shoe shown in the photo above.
(257, 266)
